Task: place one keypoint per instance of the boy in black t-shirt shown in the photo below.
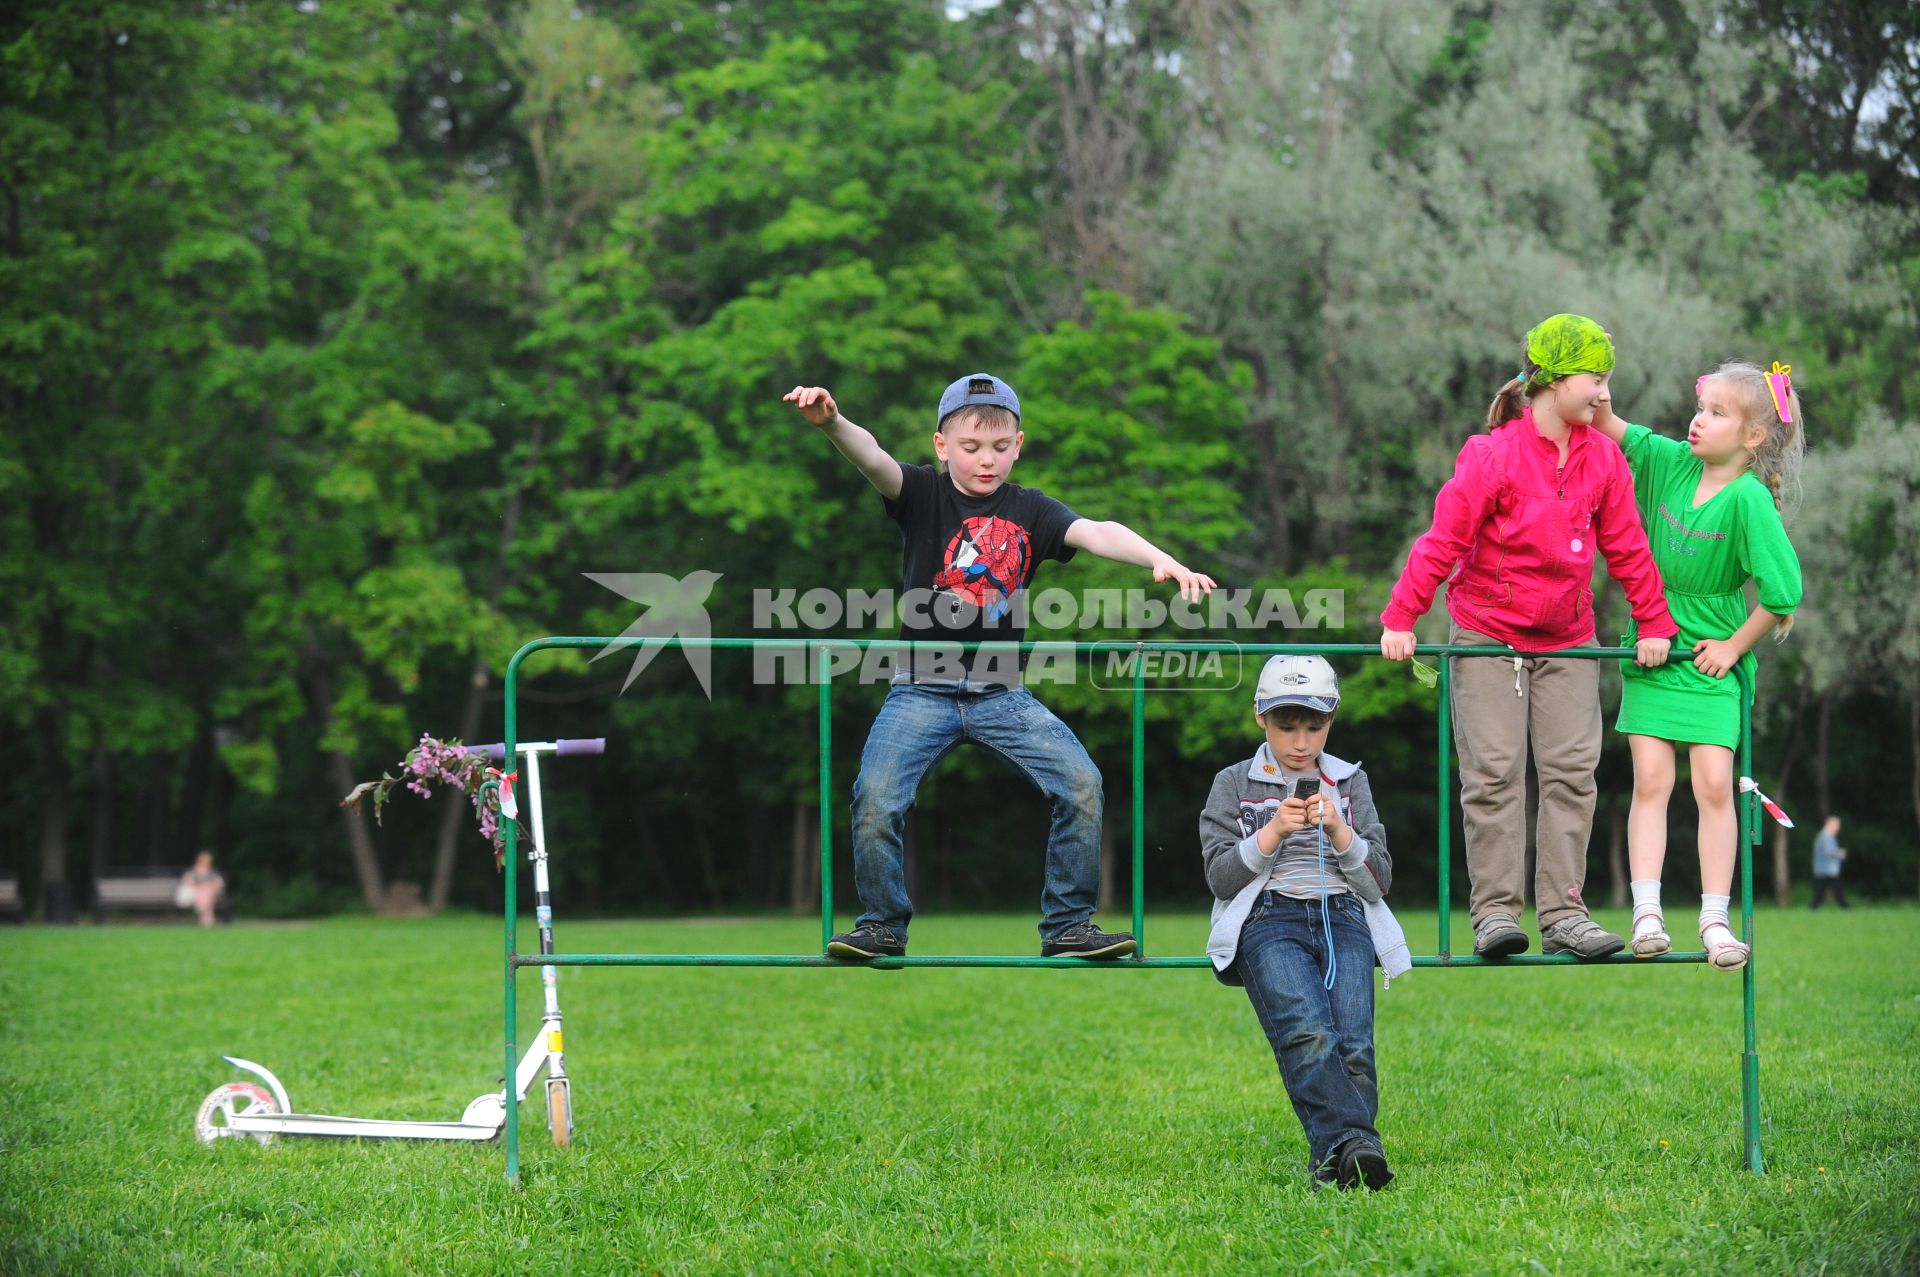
(971, 541)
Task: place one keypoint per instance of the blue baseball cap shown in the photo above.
(976, 389)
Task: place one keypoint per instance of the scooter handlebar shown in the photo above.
(564, 748)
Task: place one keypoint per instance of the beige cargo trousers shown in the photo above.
(1500, 703)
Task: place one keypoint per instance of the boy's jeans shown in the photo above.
(1323, 1039)
(917, 726)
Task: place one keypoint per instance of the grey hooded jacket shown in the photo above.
(1235, 868)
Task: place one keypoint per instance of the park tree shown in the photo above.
(339, 343)
(1862, 553)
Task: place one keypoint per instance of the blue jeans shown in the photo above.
(1322, 1039)
(918, 725)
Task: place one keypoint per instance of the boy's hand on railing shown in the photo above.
(1192, 584)
(1715, 657)
(1397, 645)
(815, 404)
(1649, 652)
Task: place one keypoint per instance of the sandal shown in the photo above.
(1728, 954)
(1654, 941)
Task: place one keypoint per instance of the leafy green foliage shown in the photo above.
(339, 342)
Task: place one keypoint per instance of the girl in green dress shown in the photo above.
(1712, 505)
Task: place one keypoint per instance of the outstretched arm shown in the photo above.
(1117, 541)
(855, 443)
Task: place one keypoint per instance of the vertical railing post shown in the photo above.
(826, 797)
(1139, 803)
(1444, 805)
(510, 866)
(1750, 832)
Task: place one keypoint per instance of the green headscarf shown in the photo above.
(1562, 345)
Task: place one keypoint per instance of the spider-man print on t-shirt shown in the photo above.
(988, 561)
(974, 557)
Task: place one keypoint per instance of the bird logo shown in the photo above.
(676, 608)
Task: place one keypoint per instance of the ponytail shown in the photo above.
(1512, 399)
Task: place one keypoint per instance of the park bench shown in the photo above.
(130, 890)
(823, 658)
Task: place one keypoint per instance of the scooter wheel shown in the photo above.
(560, 1114)
(235, 1099)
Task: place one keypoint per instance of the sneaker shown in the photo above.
(1085, 940)
(1498, 936)
(1361, 1161)
(1581, 936)
(865, 942)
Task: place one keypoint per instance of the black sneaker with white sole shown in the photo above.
(866, 942)
(1085, 940)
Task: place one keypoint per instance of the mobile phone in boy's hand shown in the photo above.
(1306, 787)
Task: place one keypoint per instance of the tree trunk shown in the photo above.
(803, 877)
(1913, 743)
(446, 842)
(56, 893)
(1271, 474)
(457, 811)
(366, 858)
(709, 867)
(101, 836)
(1782, 869)
(762, 865)
(1109, 874)
(1822, 757)
(187, 836)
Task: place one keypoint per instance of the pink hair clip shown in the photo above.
(1780, 382)
(1700, 383)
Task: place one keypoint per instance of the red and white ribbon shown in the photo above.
(508, 807)
(1773, 809)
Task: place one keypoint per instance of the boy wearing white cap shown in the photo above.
(970, 544)
(1296, 857)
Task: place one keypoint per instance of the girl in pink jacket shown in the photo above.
(1529, 505)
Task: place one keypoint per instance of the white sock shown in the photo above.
(1713, 909)
(1646, 895)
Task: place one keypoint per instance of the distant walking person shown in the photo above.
(204, 882)
(1827, 855)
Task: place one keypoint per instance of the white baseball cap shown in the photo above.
(1297, 680)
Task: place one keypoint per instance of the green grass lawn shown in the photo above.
(954, 1121)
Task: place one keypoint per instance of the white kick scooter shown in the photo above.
(243, 1109)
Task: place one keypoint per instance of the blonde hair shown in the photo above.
(986, 416)
(1776, 462)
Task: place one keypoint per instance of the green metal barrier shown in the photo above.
(820, 651)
